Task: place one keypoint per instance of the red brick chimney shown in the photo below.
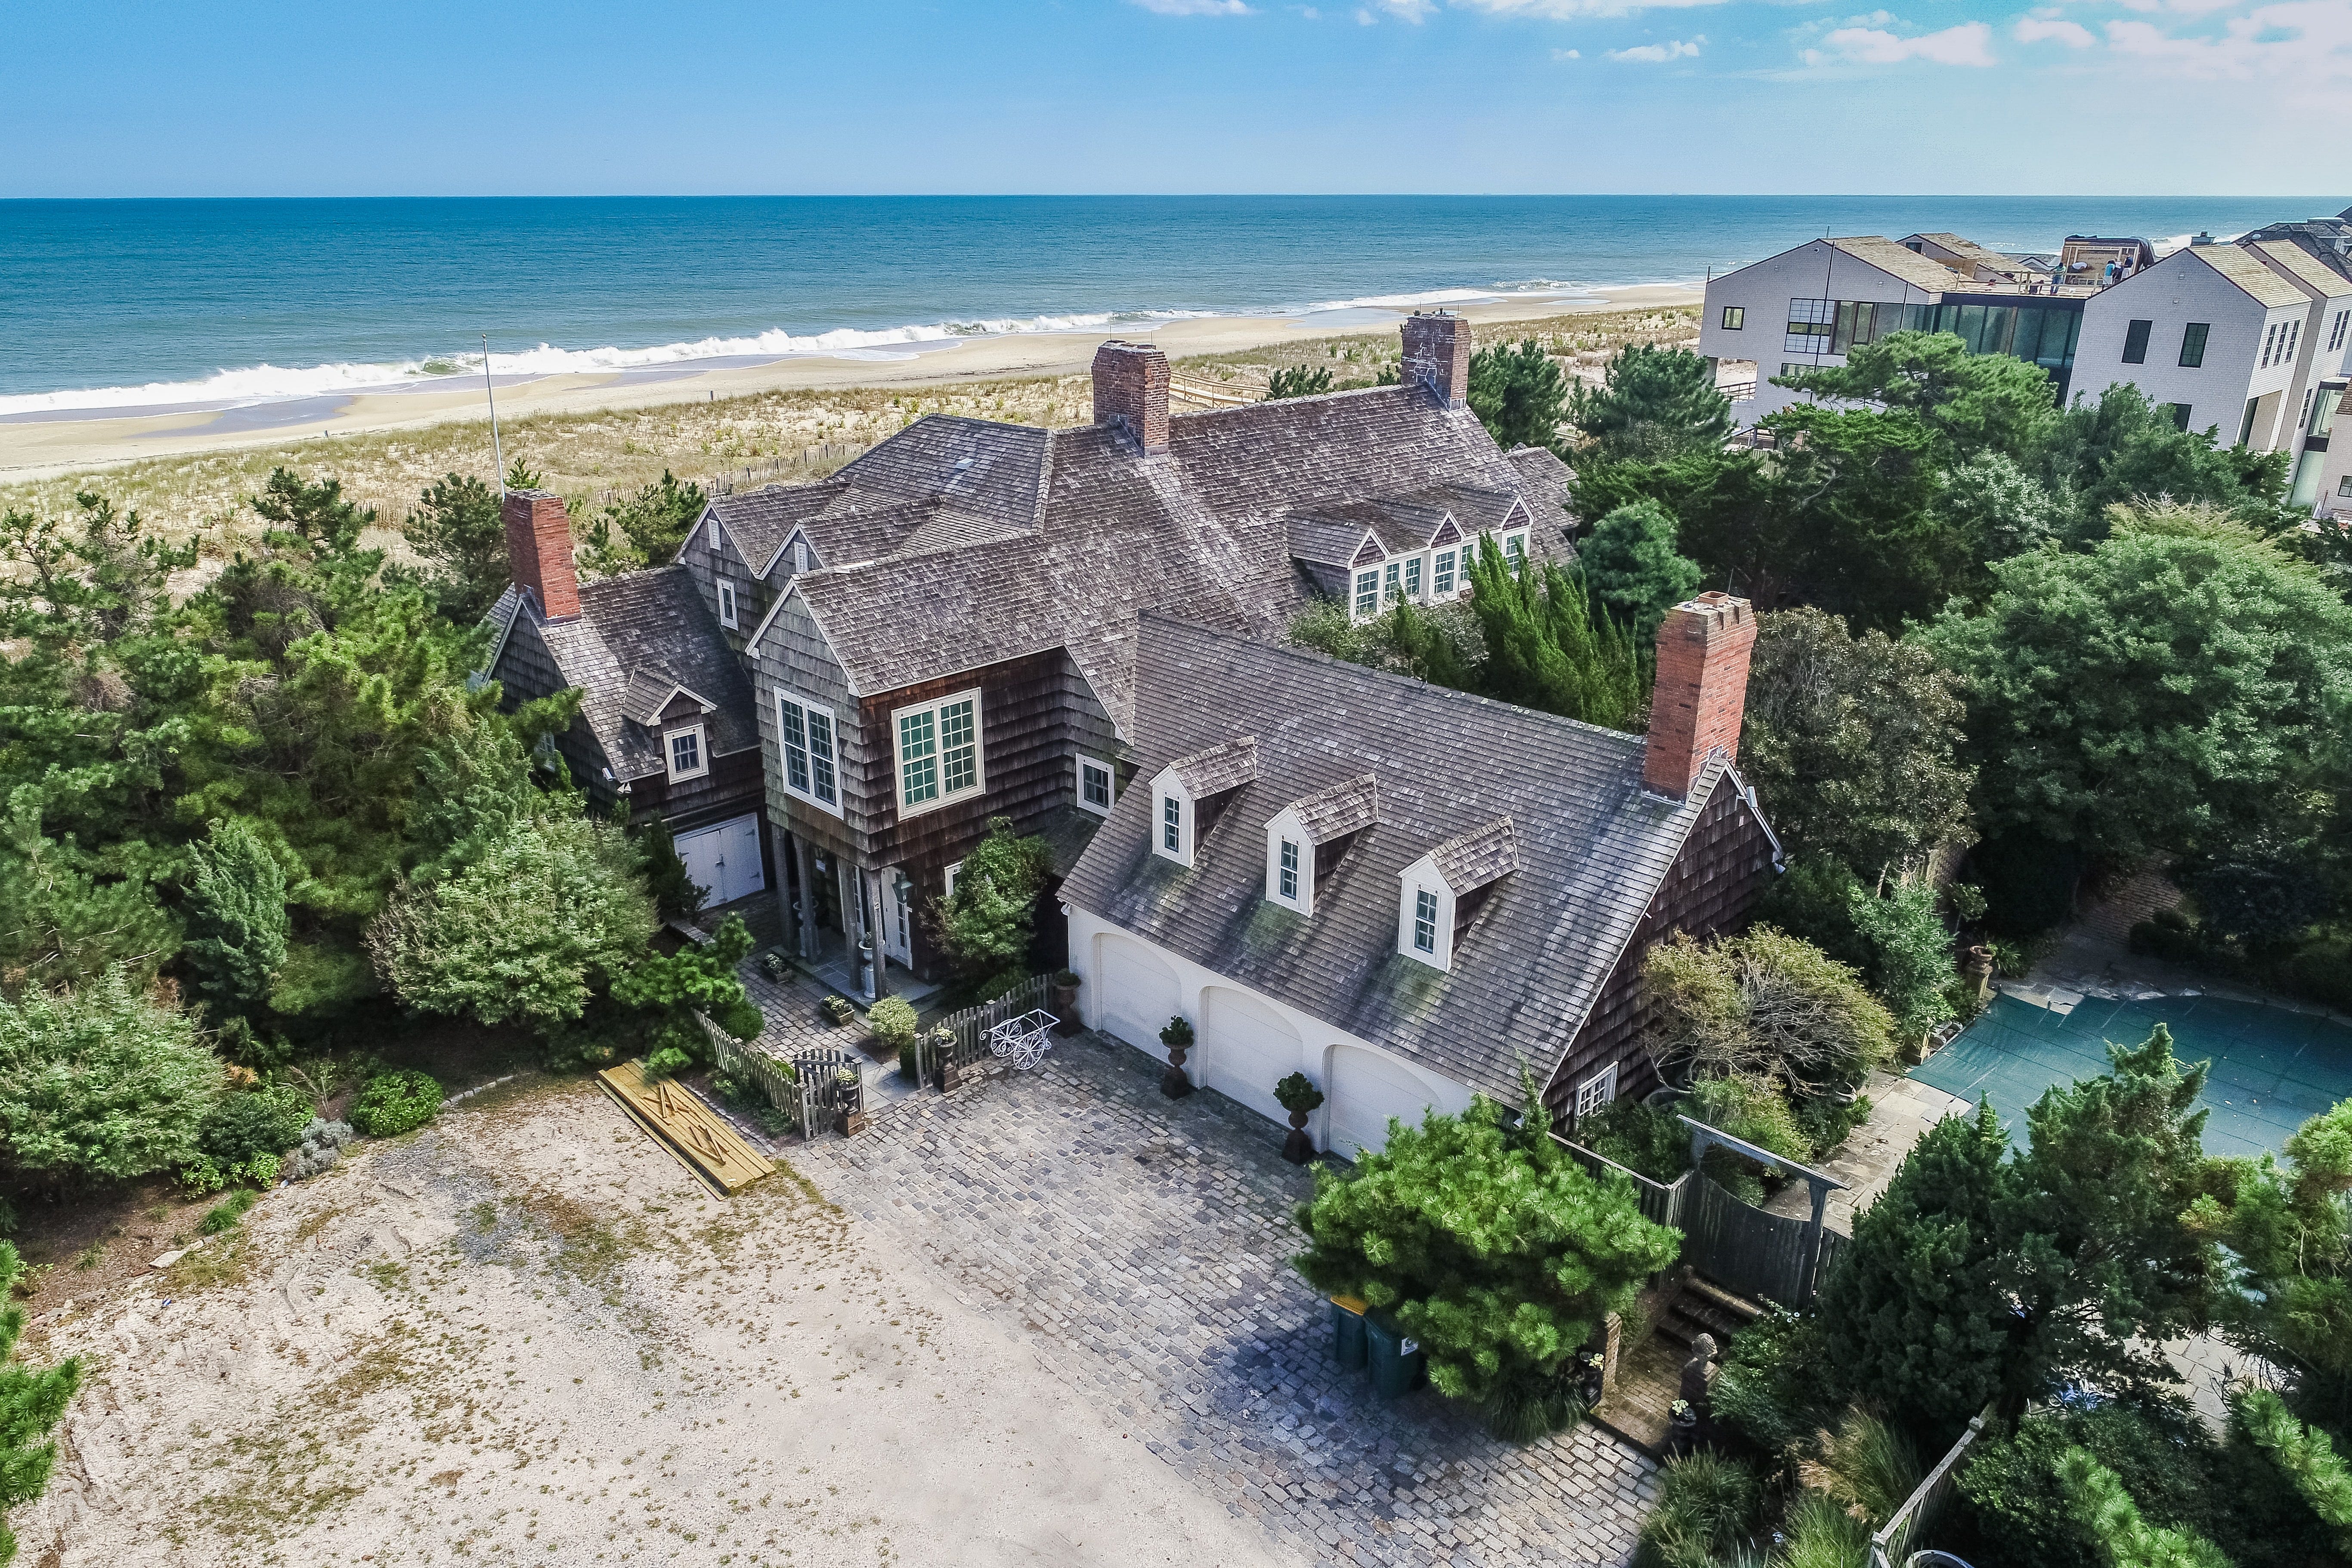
(1437, 354)
(1131, 390)
(1702, 690)
(539, 550)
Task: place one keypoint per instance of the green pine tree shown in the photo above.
(1546, 648)
(1633, 568)
(1518, 394)
(1654, 403)
(672, 988)
(237, 917)
(2109, 1517)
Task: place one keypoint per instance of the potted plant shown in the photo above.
(891, 1024)
(836, 1010)
(849, 1093)
(938, 1053)
(1178, 1037)
(775, 965)
(1064, 1002)
(1299, 1097)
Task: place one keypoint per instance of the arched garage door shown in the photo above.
(1138, 994)
(1246, 1048)
(1367, 1089)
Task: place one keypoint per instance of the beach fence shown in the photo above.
(752, 475)
(1892, 1547)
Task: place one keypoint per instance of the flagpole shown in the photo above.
(497, 453)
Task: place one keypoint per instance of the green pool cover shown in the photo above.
(2272, 1069)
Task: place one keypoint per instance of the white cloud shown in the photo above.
(1965, 45)
(1567, 55)
(1563, 10)
(1658, 54)
(2035, 29)
(1195, 7)
(2295, 45)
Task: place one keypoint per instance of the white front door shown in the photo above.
(725, 859)
(897, 916)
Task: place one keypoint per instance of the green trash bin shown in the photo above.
(1396, 1361)
(1348, 1332)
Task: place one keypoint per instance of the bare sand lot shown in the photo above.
(525, 1334)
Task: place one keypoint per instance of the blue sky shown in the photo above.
(2123, 97)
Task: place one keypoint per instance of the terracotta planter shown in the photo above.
(1299, 1147)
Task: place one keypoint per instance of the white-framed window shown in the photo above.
(1413, 579)
(1368, 594)
(1392, 582)
(1425, 921)
(806, 738)
(954, 870)
(726, 603)
(1171, 825)
(685, 752)
(717, 543)
(1286, 870)
(1441, 576)
(1596, 1091)
(938, 751)
(799, 556)
(1514, 551)
(1097, 789)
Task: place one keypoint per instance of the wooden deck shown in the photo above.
(686, 1127)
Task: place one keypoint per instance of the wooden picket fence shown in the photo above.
(971, 1025)
(1661, 1202)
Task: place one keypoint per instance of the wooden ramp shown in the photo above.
(686, 1127)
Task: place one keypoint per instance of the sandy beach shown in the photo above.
(33, 449)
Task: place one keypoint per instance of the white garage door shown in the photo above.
(1138, 994)
(1367, 1089)
(1246, 1048)
(725, 859)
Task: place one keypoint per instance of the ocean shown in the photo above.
(117, 304)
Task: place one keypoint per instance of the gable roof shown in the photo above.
(1227, 765)
(1556, 805)
(1083, 530)
(1337, 810)
(1896, 261)
(2250, 275)
(2304, 267)
(640, 639)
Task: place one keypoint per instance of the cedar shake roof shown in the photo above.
(1089, 530)
(634, 633)
(1227, 765)
(1325, 542)
(1895, 261)
(1461, 775)
(1335, 811)
(1543, 482)
(649, 691)
(1478, 856)
(2306, 267)
(2250, 275)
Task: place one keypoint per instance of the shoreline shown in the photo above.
(57, 442)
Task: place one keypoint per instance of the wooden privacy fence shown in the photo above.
(970, 1026)
(1892, 1545)
(1763, 1257)
(1661, 1202)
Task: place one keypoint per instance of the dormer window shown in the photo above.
(686, 754)
(1425, 922)
(1095, 788)
(1287, 871)
(1444, 891)
(1413, 579)
(1515, 553)
(726, 603)
(1172, 826)
(1307, 840)
(1368, 594)
(1191, 792)
(1441, 577)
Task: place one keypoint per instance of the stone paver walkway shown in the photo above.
(1145, 1244)
(1901, 1111)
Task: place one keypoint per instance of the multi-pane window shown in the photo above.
(716, 544)
(1514, 551)
(2136, 335)
(2269, 339)
(2192, 343)
(1171, 825)
(684, 753)
(1391, 582)
(1287, 873)
(1425, 921)
(1094, 784)
(1412, 578)
(1441, 581)
(1734, 318)
(725, 603)
(1811, 322)
(1368, 593)
(805, 734)
(2336, 332)
(1595, 1092)
(938, 751)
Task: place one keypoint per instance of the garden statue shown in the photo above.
(1697, 1373)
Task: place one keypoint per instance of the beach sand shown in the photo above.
(44, 448)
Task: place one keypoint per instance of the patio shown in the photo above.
(1142, 1247)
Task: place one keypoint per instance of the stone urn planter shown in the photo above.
(1063, 1000)
(851, 1116)
(1298, 1096)
(1178, 1037)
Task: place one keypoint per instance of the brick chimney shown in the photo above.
(1437, 354)
(1702, 690)
(1131, 390)
(539, 550)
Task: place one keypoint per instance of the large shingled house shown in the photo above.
(1404, 892)
(944, 632)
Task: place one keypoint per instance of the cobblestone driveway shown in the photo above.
(1146, 1240)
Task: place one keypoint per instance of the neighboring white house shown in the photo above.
(1404, 892)
(1805, 309)
(2210, 331)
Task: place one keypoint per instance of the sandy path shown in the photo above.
(525, 1334)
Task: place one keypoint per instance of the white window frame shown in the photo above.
(1424, 914)
(1514, 546)
(1168, 790)
(1391, 581)
(718, 541)
(1359, 577)
(799, 556)
(1421, 879)
(727, 604)
(1450, 570)
(975, 787)
(810, 710)
(955, 868)
(1413, 577)
(1596, 1092)
(701, 751)
(1086, 764)
(1284, 830)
